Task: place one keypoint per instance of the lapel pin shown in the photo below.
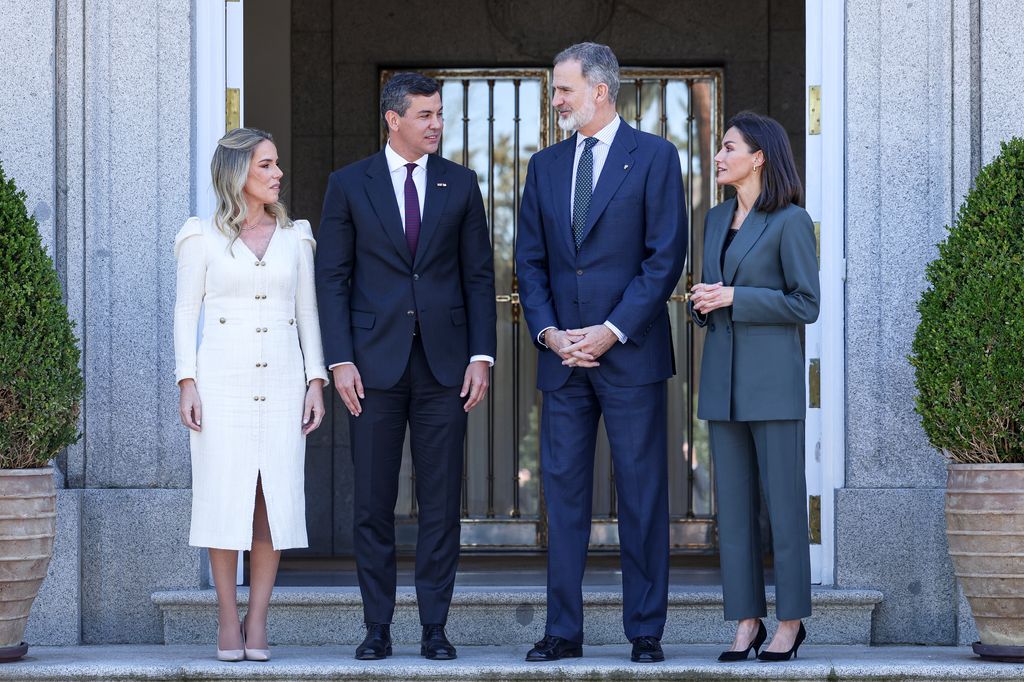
(626, 167)
(442, 184)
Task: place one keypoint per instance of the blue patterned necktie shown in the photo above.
(584, 190)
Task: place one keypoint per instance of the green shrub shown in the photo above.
(968, 353)
(40, 382)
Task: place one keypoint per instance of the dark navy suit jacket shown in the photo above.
(633, 251)
(371, 292)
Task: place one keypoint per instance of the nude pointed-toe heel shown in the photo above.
(231, 655)
(254, 654)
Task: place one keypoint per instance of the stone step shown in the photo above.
(694, 662)
(501, 616)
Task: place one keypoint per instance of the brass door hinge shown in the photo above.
(814, 518)
(232, 108)
(814, 110)
(814, 383)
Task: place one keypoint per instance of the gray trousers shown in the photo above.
(770, 453)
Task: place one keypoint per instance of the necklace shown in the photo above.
(246, 226)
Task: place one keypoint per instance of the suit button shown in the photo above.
(410, 313)
(222, 320)
(728, 330)
(415, 278)
(579, 272)
(712, 327)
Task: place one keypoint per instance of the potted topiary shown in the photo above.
(40, 391)
(968, 355)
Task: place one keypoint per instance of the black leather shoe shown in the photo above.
(647, 649)
(553, 648)
(435, 645)
(377, 644)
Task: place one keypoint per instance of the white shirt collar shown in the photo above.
(396, 160)
(605, 135)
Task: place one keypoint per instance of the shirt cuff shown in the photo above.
(486, 358)
(338, 364)
(615, 330)
(541, 332)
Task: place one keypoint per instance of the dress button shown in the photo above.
(222, 320)
(257, 330)
(264, 297)
(415, 277)
(258, 364)
(410, 313)
(579, 272)
(264, 364)
(263, 397)
(292, 321)
(264, 329)
(255, 397)
(257, 263)
(257, 297)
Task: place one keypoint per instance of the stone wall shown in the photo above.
(100, 136)
(931, 89)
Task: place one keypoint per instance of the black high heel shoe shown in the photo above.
(755, 644)
(773, 656)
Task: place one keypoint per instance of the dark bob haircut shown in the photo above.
(395, 94)
(780, 184)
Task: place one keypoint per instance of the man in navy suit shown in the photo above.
(602, 242)
(405, 287)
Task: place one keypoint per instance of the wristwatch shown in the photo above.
(541, 338)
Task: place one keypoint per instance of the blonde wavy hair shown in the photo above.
(230, 169)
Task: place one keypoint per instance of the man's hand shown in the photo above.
(349, 385)
(478, 378)
(555, 339)
(592, 343)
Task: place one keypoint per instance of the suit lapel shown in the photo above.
(433, 205)
(716, 242)
(561, 180)
(382, 196)
(750, 231)
(616, 167)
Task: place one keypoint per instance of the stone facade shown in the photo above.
(100, 135)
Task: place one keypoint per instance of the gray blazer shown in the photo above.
(753, 364)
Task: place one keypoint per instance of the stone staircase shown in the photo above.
(493, 616)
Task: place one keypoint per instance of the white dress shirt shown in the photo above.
(605, 136)
(396, 164)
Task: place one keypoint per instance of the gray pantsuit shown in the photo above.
(752, 393)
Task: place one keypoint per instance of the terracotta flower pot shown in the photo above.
(28, 521)
(985, 529)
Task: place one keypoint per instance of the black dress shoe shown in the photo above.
(647, 649)
(435, 645)
(553, 648)
(377, 644)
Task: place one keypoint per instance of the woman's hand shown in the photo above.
(190, 408)
(708, 297)
(313, 410)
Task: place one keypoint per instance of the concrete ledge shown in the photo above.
(155, 662)
(494, 616)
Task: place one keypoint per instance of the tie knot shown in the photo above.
(590, 142)
(411, 167)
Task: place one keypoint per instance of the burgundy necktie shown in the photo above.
(412, 211)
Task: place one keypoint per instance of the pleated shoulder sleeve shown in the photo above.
(190, 252)
(305, 307)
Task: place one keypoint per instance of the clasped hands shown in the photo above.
(707, 297)
(580, 347)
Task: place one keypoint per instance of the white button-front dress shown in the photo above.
(258, 348)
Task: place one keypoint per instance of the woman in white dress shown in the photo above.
(249, 363)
